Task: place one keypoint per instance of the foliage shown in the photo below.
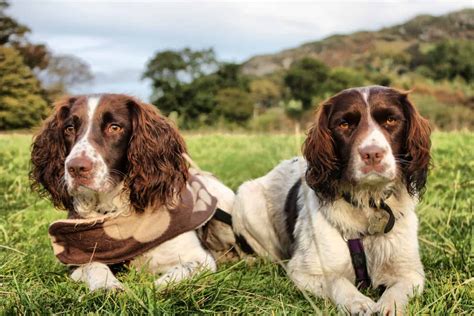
(188, 83)
(170, 68)
(450, 59)
(265, 92)
(21, 102)
(342, 78)
(305, 80)
(64, 72)
(234, 104)
(30, 75)
(10, 29)
(445, 116)
(34, 282)
(293, 109)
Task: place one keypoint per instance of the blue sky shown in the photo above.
(116, 38)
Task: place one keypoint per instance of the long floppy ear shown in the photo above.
(157, 169)
(48, 153)
(417, 148)
(323, 170)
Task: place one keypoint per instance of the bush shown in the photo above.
(21, 103)
(442, 115)
(234, 104)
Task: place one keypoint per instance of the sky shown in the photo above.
(117, 38)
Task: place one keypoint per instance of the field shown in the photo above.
(33, 281)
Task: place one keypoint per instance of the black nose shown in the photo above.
(372, 155)
(80, 167)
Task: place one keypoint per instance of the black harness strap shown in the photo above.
(226, 218)
(291, 209)
(223, 217)
(356, 247)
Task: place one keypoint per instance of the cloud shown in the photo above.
(113, 36)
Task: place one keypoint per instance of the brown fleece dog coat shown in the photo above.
(116, 239)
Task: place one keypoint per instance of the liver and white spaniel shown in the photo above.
(345, 213)
(106, 156)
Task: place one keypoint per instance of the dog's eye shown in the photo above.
(344, 125)
(114, 128)
(391, 121)
(70, 130)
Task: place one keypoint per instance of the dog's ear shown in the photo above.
(157, 168)
(417, 147)
(322, 174)
(48, 153)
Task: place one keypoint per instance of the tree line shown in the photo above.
(198, 90)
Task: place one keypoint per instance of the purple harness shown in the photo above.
(356, 248)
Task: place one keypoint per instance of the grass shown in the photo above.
(33, 281)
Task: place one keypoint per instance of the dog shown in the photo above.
(110, 158)
(345, 213)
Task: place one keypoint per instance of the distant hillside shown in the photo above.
(366, 47)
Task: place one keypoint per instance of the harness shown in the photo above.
(383, 224)
(356, 247)
(226, 218)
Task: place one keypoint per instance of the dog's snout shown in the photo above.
(80, 167)
(372, 155)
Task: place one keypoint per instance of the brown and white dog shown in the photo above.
(96, 148)
(368, 144)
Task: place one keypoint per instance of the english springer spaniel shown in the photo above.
(345, 213)
(106, 156)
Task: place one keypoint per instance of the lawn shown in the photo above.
(33, 281)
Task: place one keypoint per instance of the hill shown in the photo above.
(366, 47)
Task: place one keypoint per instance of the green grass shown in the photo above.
(33, 281)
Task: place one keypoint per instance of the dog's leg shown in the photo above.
(177, 259)
(395, 297)
(97, 276)
(187, 270)
(338, 289)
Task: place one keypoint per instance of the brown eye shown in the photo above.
(391, 121)
(114, 128)
(69, 129)
(344, 125)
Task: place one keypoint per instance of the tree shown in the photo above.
(10, 29)
(177, 67)
(234, 104)
(265, 92)
(342, 78)
(305, 79)
(21, 103)
(63, 73)
(451, 59)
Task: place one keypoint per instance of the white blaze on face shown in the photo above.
(84, 148)
(373, 137)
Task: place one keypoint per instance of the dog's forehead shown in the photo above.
(79, 107)
(347, 99)
(113, 101)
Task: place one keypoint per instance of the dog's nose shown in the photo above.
(372, 155)
(80, 167)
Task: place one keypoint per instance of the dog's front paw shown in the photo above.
(109, 285)
(361, 305)
(97, 277)
(388, 309)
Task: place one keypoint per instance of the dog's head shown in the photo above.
(93, 143)
(367, 139)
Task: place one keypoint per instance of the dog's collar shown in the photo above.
(381, 206)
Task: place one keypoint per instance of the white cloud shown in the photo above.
(116, 36)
